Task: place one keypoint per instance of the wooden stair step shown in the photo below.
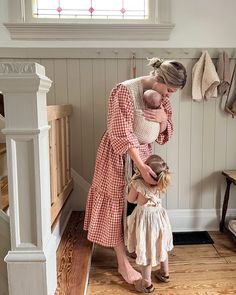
(74, 258)
(3, 148)
(4, 199)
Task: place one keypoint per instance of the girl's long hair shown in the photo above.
(161, 169)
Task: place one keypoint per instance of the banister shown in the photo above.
(59, 155)
(58, 111)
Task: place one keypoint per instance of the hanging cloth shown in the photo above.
(204, 78)
(223, 71)
(231, 107)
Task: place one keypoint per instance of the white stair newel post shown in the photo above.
(31, 263)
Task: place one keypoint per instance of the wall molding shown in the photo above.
(73, 31)
(107, 53)
(80, 181)
(197, 219)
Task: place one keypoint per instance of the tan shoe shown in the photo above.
(161, 277)
(141, 286)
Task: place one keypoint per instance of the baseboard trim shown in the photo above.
(80, 181)
(197, 219)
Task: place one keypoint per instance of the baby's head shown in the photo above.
(152, 99)
(161, 169)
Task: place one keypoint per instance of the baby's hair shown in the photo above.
(169, 72)
(161, 169)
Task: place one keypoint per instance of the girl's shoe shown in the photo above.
(142, 286)
(132, 255)
(161, 277)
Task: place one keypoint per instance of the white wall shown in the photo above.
(198, 24)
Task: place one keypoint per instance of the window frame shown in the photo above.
(22, 25)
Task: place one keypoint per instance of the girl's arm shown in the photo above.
(132, 196)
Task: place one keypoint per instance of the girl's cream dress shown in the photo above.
(149, 230)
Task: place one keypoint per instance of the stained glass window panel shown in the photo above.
(92, 9)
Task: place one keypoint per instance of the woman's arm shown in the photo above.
(144, 169)
(132, 196)
(120, 120)
(164, 117)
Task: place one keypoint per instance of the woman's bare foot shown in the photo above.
(129, 274)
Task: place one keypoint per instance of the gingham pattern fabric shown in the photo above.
(105, 204)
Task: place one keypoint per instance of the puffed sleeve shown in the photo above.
(138, 185)
(120, 120)
(164, 136)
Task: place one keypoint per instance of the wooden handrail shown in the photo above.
(59, 111)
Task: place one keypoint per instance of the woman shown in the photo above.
(105, 204)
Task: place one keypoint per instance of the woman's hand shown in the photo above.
(144, 169)
(146, 173)
(157, 115)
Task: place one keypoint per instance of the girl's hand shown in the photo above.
(156, 115)
(146, 173)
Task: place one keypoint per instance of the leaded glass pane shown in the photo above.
(91, 9)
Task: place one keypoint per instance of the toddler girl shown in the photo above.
(149, 230)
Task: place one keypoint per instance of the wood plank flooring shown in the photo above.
(194, 270)
(73, 258)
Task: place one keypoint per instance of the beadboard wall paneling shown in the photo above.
(204, 139)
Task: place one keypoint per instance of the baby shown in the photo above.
(147, 131)
(152, 99)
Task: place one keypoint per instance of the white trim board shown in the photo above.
(197, 219)
(109, 53)
(72, 31)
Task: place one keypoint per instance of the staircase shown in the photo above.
(35, 154)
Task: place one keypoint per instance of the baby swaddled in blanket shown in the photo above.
(147, 131)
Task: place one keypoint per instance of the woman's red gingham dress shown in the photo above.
(105, 204)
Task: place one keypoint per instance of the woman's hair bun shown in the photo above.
(155, 62)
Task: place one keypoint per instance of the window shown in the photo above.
(91, 9)
(89, 19)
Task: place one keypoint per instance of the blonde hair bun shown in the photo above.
(155, 62)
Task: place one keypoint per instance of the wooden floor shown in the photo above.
(196, 269)
(73, 258)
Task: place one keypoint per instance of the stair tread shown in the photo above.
(3, 148)
(74, 257)
(4, 199)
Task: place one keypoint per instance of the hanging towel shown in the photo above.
(223, 70)
(204, 78)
